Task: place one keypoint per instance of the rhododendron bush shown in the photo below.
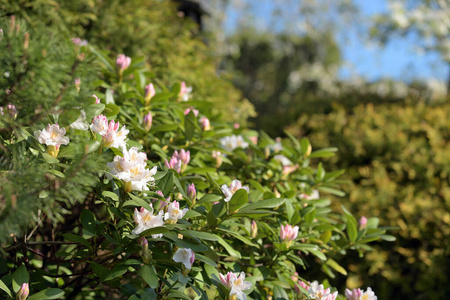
(116, 186)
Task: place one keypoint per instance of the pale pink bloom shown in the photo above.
(23, 292)
(314, 195)
(97, 100)
(236, 285)
(204, 121)
(227, 279)
(149, 91)
(79, 42)
(162, 202)
(234, 186)
(52, 136)
(254, 139)
(145, 220)
(317, 291)
(188, 110)
(148, 121)
(123, 62)
(80, 123)
(288, 233)
(100, 124)
(358, 294)
(179, 160)
(185, 256)
(185, 91)
(174, 213)
(362, 222)
(115, 137)
(236, 125)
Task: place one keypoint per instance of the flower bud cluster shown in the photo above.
(179, 161)
(111, 135)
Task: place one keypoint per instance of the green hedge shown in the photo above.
(398, 157)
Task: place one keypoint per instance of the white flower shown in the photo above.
(131, 170)
(283, 160)
(52, 136)
(239, 285)
(234, 186)
(232, 142)
(174, 213)
(185, 91)
(314, 195)
(100, 125)
(317, 291)
(80, 123)
(185, 256)
(358, 294)
(146, 220)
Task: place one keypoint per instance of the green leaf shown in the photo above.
(161, 97)
(5, 288)
(136, 201)
(94, 110)
(352, 231)
(267, 203)
(229, 249)
(103, 58)
(47, 294)
(111, 195)
(200, 235)
(68, 116)
(50, 159)
(88, 220)
(56, 173)
(164, 127)
(77, 239)
(388, 238)
(202, 170)
(320, 173)
(239, 199)
(319, 254)
(19, 277)
(331, 191)
(165, 184)
(115, 272)
(336, 266)
(326, 152)
(190, 122)
(111, 110)
(205, 259)
(148, 273)
(99, 270)
(279, 293)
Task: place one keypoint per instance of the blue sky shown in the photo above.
(398, 59)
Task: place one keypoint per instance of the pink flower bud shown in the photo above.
(236, 125)
(191, 192)
(79, 42)
(77, 84)
(149, 91)
(288, 233)
(23, 293)
(123, 62)
(362, 222)
(205, 124)
(97, 100)
(254, 230)
(148, 121)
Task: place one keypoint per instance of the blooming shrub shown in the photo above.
(144, 211)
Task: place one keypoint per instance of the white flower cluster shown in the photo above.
(111, 135)
(318, 292)
(236, 285)
(229, 191)
(52, 136)
(131, 170)
(232, 142)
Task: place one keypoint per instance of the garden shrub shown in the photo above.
(397, 158)
(112, 186)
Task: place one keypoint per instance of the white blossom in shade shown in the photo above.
(236, 285)
(80, 123)
(232, 142)
(145, 220)
(277, 147)
(314, 195)
(229, 191)
(131, 170)
(79, 42)
(185, 91)
(174, 213)
(358, 294)
(52, 136)
(317, 291)
(185, 256)
(100, 125)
